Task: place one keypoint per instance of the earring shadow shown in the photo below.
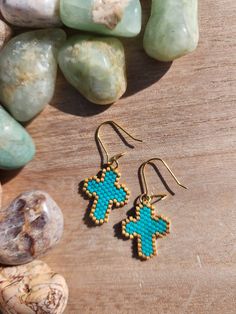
(156, 169)
(119, 235)
(87, 220)
(120, 135)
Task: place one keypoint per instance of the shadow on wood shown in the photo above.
(118, 233)
(156, 169)
(141, 75)
(119, 134)
(7, 175)
(67, 99)
(87, 220)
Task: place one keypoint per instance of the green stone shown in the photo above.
(95, 67)
(110, 17)
(16, 145)
(172, 30)
(28, 69)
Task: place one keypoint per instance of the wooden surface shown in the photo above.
(186, 114)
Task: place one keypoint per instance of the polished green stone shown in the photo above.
(95, 66)
(172, 30)
(16, 145)
(28, 69)
(111, 17)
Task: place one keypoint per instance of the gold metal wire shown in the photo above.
(146, 194)
(148, 199)
(98, 137)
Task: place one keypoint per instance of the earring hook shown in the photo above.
(98, 137)
(148, 197)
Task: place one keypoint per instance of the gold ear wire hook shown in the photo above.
(116, 125)
(144, 180)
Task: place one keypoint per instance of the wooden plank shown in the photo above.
(186, 114)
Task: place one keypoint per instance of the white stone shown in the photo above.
(31, 13)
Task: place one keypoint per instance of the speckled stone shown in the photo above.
(16, 146)
(172, 30)
(28, 69)
(5, 33)
(31, 13)
(29, 227)
(32, 289)
(95, 66)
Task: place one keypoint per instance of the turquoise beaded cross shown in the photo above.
(146, 227)
(107, 193)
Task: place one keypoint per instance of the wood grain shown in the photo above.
(186, 114)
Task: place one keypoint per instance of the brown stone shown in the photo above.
(29, 227)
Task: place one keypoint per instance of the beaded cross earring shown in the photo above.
(105, 188)
(147, 226)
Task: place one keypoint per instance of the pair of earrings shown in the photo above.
(107, 193)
